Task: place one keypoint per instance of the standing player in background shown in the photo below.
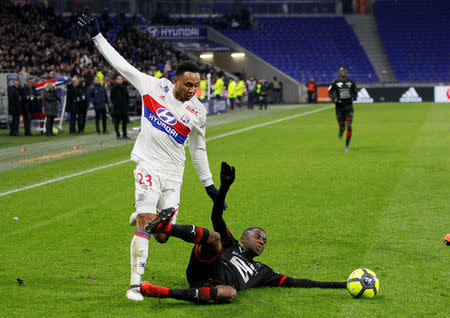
(343, 92)
(171, 113)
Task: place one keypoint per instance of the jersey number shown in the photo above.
(243, 269)
(147, 179)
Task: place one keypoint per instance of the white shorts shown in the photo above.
(153, 192)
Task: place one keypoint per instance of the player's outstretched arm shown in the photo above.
(88, 23)
(307, 283)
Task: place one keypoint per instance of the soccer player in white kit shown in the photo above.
(171, 113)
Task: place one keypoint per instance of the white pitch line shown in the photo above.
(125, 161)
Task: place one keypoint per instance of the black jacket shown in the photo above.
(119, 98)
(14, 99)
(50, 102)
(73, 99)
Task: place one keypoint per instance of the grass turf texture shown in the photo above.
(383, 205)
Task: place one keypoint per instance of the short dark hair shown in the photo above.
(250, 229)
(186, 66)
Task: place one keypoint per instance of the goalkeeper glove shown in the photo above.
(88, 23)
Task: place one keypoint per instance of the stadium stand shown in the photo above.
(305, 47)
(415, 37)
(36, 41)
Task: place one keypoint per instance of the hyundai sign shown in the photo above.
(168, 32)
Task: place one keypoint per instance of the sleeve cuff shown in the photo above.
(207, 182)
(98, 38)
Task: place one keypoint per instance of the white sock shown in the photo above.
(138, 256)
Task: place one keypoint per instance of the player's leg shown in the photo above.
(209, 241)
(147, 192)
(349, 121)
(212, 294)
(341, 122)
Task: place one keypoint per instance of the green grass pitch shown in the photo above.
(384, 205)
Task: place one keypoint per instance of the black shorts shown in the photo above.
(344, 111)
(201, 271)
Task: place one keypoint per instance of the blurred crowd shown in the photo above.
(35, 40)
(238, 19)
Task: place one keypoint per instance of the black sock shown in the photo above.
(349, 136)
(202, 294)
(189, 233)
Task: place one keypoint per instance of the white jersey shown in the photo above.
(166, 123)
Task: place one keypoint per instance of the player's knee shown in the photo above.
(214, 240)
(161, 237)
(226, 294)
(143, 219)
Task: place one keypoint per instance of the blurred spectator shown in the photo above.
(277, 87)
(84, 105)
(98, 97)
(262, 89)
(218, 86)
(232, 92)
(119, 106)
(50, 101)
(251, 91)
(73, 105)
(311, 89)
(29, 104)
(240, 87)
(14, 107)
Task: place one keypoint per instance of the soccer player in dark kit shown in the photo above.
(219, 266)
(343, 92)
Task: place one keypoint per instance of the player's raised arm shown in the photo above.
(227, 175)
(89, 24)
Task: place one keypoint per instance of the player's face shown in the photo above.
(255, 241)
(343, 72)
(186, 86)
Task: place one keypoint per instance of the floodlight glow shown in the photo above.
(206, 56)
(237, 54)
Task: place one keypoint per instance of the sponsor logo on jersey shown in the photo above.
(191, 110)
(339, 84)
(363, 97)
(163, 120)
(410, 96)
(166, 116)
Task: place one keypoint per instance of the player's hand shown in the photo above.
(227, 174)
(88, 23)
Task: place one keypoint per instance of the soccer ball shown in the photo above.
(363, 283)
(55, 131)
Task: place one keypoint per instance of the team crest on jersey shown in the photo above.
(166, 88)
(348, 84)
(185, 119)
